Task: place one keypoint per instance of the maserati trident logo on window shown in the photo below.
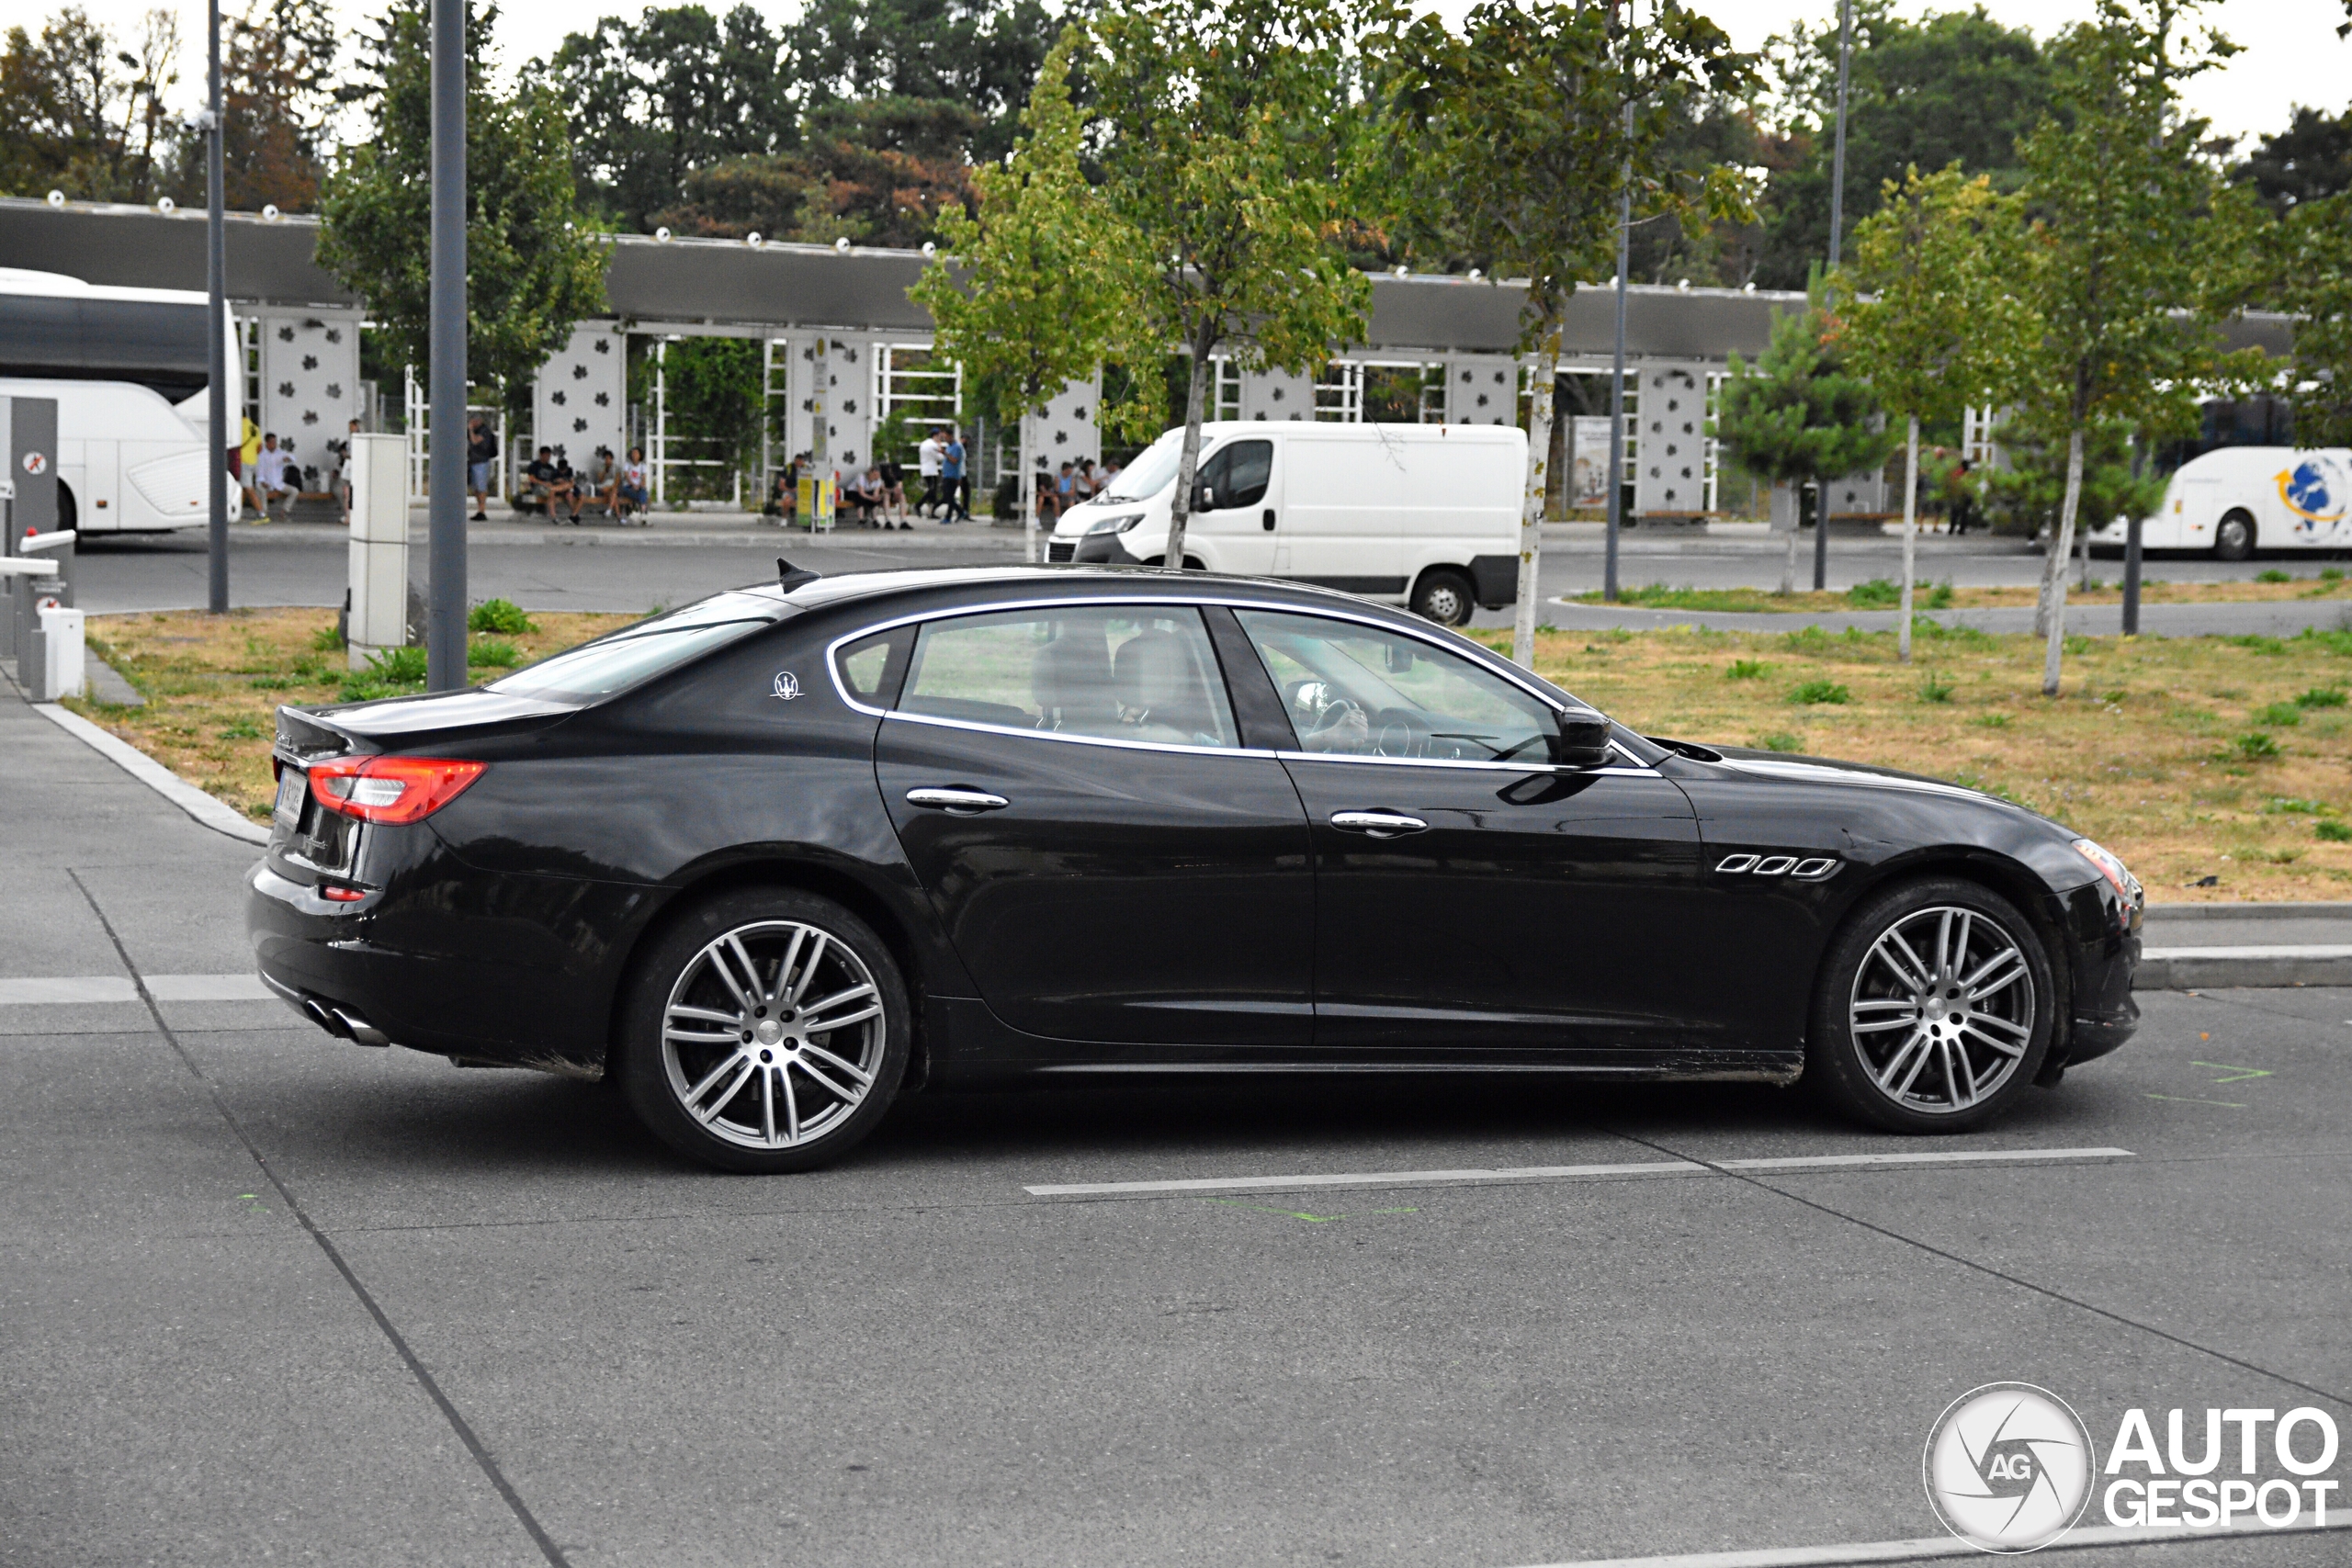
(787, 685)
(2009, 1467)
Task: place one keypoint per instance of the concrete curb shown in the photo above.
(2216, 968)
(214, 814)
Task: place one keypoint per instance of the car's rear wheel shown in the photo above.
(765, 1031)
(1446, 596)
(1935, 1008)
(2234, 540)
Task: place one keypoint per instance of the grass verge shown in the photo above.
(2227, 758)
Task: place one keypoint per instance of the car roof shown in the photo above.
(1139, 581)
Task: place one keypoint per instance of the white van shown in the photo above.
(2235, 499)
(1418, 514)
(128, 462)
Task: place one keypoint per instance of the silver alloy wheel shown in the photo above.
(751, 1056)
(1942, 1009)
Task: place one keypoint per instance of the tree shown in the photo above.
(82, 113)
(2313, 247)
(2311, 159)
(1952, 87)
(676, 91)
(1931, 327)
(532, 268)
(1799, 416)
(1518, 142)
(1227, 173)
(277, 94)
(979, 56)
(2132, 232)
(1025, 304)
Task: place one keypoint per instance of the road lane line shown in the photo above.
(70, 990)
(1802, 1162)
(1552, 1172)
(1929, 1549)
(1368, 1179)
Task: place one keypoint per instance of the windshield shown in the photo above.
(637, 653)
(1153, 469)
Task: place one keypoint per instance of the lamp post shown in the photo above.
(216, 316)
(1836, 226)
(1616, 492)
(445, 620)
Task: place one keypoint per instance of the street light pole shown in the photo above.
(216, 316)
(1836, 237)
(445, 619)
(1616, 493)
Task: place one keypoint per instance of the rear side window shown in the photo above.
(1109, 673)
(637, 653)
(872, 668)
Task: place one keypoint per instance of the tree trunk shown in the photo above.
(2056, 580)
(1910, 536)
(1180, 507)
(1530, 503)
(1025, 495)
(1796, 527)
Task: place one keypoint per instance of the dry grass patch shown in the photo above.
(214, 683)
(2191, 757)
(1880, 593)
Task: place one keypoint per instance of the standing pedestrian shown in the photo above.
(928, 457)
(481, 450)
(952, 480)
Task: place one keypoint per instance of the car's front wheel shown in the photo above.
(1935, 1008)
(766, 1031)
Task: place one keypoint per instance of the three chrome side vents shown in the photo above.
(1820, 869)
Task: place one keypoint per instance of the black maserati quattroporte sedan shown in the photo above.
(777, 857)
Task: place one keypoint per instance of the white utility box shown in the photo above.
(61, 647)
(379, 618)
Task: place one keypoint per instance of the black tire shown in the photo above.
(786, 1076)
(2234, 540)
(1446, 596)
(1861, 1056)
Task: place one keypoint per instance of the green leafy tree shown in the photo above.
(713, 395)
(2025, 495)
(976, 57)
(2313, 250)
(2132, 246)
(656, 99)
(277, 94)
(532, 267)
(2311, 159)
(1954, 86)
(82, 111)
(1516, 142)
(1800, 415)
(1227, 177)
(1021, 299)
(1932, 327)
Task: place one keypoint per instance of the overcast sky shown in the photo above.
(2291, 53)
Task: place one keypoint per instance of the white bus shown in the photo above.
(128, 368)
(2235, 499)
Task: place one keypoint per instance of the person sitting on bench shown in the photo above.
(543, 485)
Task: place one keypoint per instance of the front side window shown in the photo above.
(1358, 691)
(1107, 672)
(1237, 474)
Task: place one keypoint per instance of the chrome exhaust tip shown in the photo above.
(358, 1029)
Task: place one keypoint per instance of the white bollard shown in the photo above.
(61, 635)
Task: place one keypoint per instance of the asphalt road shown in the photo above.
(271, 1297)
(606, 569)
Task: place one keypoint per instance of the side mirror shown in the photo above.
(1204, 499)
(1400, 658)
(1581, 740)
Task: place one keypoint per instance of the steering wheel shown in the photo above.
(1400, 732)
(1334, 713)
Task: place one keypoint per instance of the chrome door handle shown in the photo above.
(1379, 824)
(958, 802)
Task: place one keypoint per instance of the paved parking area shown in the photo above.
(268, 1296)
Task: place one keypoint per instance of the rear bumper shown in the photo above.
(483, 987)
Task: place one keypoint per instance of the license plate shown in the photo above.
(293, 785)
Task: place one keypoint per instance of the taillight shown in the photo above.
(391, 789)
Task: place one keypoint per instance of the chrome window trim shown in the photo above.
(1633, 765)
